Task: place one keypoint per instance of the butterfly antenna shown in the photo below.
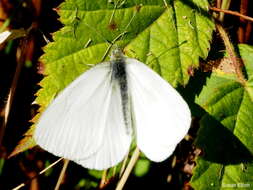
(88, 43)
(113, 13)
(97, 32)
(112, 43)
(167, 50)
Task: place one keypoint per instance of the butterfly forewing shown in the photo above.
(116, 137)
(162, 117)
(80, 124)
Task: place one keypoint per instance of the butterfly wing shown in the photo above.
(162, 117)
(4, 35)
(116, 141)
(79, 123)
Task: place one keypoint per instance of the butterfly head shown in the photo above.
(117, 54)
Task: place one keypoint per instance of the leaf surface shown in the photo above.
(226, 130)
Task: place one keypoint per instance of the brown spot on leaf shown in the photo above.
(190, 70)
(112, 25)
(138, 7)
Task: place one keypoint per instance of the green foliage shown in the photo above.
(225, 133)
(86, 184)
(141, 167)
(2, 161)
(49, 171)
(169, 36)
(95, 173)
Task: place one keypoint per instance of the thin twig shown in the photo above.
(232, 13)
(20, 63)
(103, 180)
(63, 171)
(123, 167)
(41, 172)
(129, 168)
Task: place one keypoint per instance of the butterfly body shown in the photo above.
(94, 119)
(119, 75)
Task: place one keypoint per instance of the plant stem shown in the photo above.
(243, 22)
(231, 53)
(232, 13)
(41, 172)
(225, 4)
(63, 171)
(129, 168)
(103, 180)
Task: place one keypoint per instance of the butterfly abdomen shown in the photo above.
(120, 76)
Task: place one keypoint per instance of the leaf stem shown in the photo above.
(231, 53)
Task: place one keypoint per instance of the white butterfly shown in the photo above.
(95, 118)
(4, 35)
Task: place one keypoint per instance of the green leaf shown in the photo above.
(167, 35)
(86, 184)
(225, 133)
(95, 173)
(141, 167)
(2, 162)
(49, 172)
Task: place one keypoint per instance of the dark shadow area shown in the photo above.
(157, 176)
(219, 144)
(193, 89)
